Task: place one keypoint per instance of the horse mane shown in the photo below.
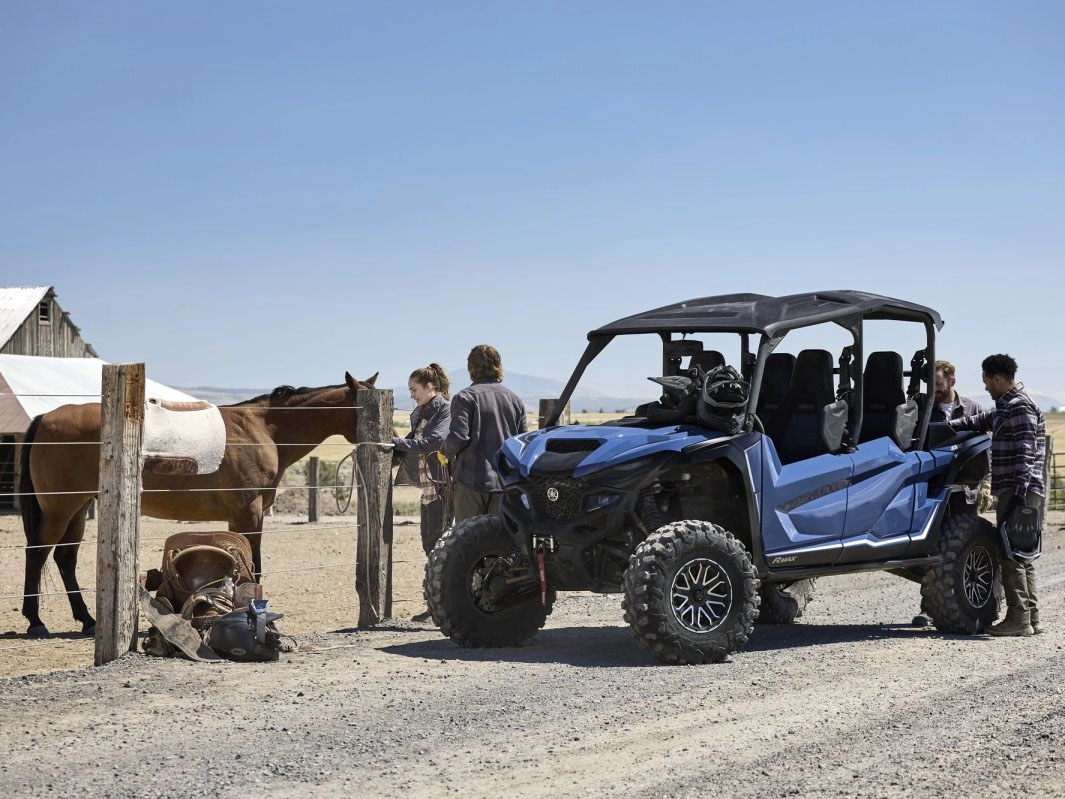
(282, 393)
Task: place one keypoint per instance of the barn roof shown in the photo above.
(16, 304)
(30, 385)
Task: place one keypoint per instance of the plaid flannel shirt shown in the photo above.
(1018, 442)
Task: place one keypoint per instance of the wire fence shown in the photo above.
(308, 570)
(1056, 483)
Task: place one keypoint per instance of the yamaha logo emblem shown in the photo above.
(552, 494)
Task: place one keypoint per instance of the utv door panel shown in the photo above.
(881, 496)
(804, 504)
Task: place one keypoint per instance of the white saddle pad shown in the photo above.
(183, 437)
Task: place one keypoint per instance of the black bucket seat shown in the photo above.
(810, 420)
(885, 409)
(776, 378)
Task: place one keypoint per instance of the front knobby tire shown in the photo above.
(474, 597)
(961, 593)
(691, 593)
(783, 603)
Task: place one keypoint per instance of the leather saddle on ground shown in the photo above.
(203, 577)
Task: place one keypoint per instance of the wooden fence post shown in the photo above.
(118, 530)
(312, 492)
(544, 411)
(373, 558)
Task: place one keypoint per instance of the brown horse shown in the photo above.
(264, 436)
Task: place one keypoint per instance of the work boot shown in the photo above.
(1017, 623)
(921, 620)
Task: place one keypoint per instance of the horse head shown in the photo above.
(354, 386)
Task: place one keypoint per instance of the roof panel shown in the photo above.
(758, 313)
(15, 305)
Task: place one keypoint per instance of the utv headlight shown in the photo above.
(599, 501)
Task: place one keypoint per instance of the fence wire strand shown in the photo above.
(333, 528)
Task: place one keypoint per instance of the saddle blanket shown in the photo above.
(182, 437)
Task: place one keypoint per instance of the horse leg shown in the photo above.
(66, 558)
(35, 559)
(50, 529)
(248, 521)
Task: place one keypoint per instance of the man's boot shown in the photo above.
(922, 619)
(1016, 623)
(1015, 587)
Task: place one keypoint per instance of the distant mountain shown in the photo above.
(980, 395)
(1045, 403)
(532, 389)
(224, 396)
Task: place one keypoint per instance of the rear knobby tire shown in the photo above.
(463, 602)
(960, 594)
(691, 593)
(783, 603)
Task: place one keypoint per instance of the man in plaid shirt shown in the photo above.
(1018, 455)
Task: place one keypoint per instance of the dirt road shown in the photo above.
(850, 702)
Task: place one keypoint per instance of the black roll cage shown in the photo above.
(754, 366)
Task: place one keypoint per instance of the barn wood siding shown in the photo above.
(58, 338)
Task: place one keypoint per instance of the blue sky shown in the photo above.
(247, 194)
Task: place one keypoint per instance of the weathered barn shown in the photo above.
(32, 323)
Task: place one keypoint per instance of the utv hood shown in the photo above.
(580, 450)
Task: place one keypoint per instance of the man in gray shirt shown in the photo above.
(952, 405)
(483, 416)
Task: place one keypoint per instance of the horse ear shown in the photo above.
(351, 381)
(371, 380)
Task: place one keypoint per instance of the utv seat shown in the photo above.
(775, 380)
(810, 421)
(885, 409)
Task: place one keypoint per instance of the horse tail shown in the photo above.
(28, 503)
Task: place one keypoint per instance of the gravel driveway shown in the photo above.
(849, 702)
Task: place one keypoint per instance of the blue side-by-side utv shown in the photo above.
(724, 500)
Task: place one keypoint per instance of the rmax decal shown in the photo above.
(810, 496)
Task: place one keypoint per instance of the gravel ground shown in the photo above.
(850, 702)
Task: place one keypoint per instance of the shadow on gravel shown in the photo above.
(574, 646)
(70, 635)
(789, 636)
(614, 646)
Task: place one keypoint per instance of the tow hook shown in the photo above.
(541, 545)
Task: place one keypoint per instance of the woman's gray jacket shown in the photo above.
(437, 415)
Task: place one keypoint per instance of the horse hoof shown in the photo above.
(89, 630)
(39, 631)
